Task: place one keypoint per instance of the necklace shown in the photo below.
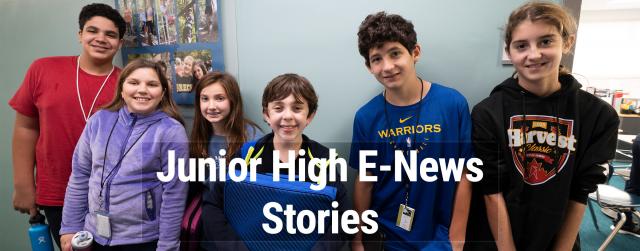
(86, 116)
(417, 114)
(405, 177)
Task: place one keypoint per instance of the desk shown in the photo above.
(625, 151)
(629, 123)
(628, 115)
(627, 138)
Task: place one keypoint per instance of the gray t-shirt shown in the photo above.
(217, 142)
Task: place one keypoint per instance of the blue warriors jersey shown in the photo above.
(438, 126)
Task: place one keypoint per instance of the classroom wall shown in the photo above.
(606, 50)
(317, 39)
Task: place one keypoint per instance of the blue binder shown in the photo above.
(244, 202)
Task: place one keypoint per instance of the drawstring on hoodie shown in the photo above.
(551, 107)
(524, 192)
(555, 147)
(522, 129)
(555, 111)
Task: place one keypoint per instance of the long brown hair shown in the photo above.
(234, 123)
(548, 12)
(167, 105)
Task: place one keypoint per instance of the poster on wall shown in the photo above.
(183, 34)
(164, 57)
(190, 66)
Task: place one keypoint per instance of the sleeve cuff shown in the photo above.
(489, 187)
(580, 197)
(24, 111)
(70, 230)
(168, 245)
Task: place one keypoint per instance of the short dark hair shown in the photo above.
(102, 10)
(379, 28)
(290, 83)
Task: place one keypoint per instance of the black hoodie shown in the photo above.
(564, 136)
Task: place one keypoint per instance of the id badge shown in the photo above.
(405, 217)
(103, 226)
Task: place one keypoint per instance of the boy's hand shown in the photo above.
(24, 200)
(356, 243)
(25, 136)
(457, 245)
(65, 242)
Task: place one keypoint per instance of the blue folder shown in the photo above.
(244, 202)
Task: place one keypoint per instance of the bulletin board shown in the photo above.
(183, 34)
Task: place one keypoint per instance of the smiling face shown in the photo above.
(288, 118)
(536, 50)
(393, 65)
(197, 72)
(179, 68)
(142, 91)
(187, 65)
(99, 38)
(214, 104)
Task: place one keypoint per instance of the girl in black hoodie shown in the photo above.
(543, 141)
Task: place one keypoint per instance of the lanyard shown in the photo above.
(104, 180)
(87, 115)
(412, 144)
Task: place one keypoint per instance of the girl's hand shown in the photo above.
(65, 241)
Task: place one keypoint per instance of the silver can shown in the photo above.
(82, 241)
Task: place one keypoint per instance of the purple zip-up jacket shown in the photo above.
(140, 207)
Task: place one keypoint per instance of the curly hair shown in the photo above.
(379, 28)
(102, 10)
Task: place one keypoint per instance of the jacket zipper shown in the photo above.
(117, 168)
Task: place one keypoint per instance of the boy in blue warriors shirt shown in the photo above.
(410, 115)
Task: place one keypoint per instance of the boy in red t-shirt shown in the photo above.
(57, 96)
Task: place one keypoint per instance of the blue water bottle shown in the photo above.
(39, 234)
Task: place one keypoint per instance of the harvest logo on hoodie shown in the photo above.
(540, 146)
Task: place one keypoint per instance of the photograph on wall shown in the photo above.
(186, 21)
(166, 17)
(184, 34)
(207, 21)
(130, 39)
(189, 67)
(146, 25)
(164, 57)
(139, 16)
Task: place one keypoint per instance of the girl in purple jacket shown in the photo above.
(114, 191)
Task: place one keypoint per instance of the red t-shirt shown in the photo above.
(49, 93)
